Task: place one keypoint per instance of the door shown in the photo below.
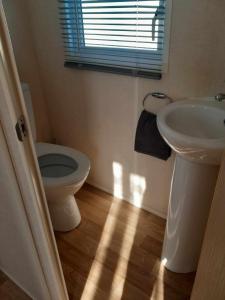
(17, 251)
(210, 278)
(27, 180)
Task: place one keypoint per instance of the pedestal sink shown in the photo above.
(195, 130)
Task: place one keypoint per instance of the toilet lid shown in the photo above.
(61, 165)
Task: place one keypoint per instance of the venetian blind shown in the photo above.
(114, 35)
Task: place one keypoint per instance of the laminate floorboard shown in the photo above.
(115, 253)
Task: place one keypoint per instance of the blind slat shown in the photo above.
(114, 61)
(118, 29)
(69, 28)
(120, 52)
(64, 3)
(113, 31)
(116, 5)
(116, 38)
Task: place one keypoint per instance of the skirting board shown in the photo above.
(126, 198)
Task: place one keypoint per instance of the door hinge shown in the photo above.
(21, 129)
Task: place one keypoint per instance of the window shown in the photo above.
(119, 36)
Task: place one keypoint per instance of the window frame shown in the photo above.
(101, 67)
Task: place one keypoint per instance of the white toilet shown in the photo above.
(63, 170)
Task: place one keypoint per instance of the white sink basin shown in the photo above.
(194, 129)
(196, 132)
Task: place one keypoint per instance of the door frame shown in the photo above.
(26, 168)
(210, 277)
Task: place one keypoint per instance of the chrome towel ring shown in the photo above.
(158, 95)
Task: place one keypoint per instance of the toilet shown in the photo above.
(64, 171)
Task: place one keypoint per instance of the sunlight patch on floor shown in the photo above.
(91, 284)
(158, 289)
(122, 264)
(95, 273)
(137, 189)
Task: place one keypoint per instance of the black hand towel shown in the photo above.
(148, 140)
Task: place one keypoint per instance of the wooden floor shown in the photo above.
(10, 291)
(115, 253)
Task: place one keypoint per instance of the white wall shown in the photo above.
(97, 113)
(22, 40)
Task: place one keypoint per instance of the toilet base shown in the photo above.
(65, 214)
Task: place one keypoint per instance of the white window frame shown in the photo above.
(81, 57)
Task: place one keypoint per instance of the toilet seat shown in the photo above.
(79, 163)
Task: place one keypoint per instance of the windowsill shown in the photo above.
(114, 70)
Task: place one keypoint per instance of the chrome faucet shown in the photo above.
(220, 97)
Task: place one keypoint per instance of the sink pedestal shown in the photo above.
(191, 194)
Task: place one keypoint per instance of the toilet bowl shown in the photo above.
(63, 171)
